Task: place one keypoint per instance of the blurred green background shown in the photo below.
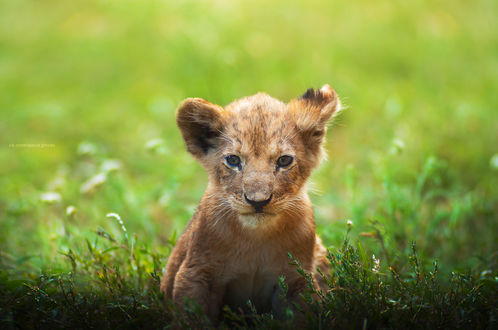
(413, 157)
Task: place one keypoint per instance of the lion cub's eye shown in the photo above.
(233, 160)
(285, 161)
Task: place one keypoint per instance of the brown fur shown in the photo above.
(229, 253)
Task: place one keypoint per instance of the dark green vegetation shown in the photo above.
(414, 158)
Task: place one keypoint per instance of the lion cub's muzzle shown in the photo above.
(258, 204)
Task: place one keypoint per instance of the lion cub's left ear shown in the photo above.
(312, 111)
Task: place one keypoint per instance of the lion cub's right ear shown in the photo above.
(311, 113)
(201, 123)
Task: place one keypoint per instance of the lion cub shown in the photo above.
(258, 153)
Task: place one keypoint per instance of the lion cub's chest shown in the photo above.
(252, 275)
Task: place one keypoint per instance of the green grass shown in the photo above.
(414, 158)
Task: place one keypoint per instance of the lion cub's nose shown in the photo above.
(259, 203)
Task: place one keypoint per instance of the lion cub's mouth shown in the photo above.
(257, 219)
(258, 213)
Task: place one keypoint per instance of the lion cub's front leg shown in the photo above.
(184, 278)
(197, 284)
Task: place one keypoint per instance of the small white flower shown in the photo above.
(349, 223)
(493, 162)
(486, 273)
(397, 146)
(50, 197)
(93, 183)
(111, 165)
(86, 148)
(70, 210)
(118, 218)
(165, 199)
(376, 267)
(114, 215)
(57, 183)
(154, 144)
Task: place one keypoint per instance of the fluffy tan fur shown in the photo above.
(232, 251)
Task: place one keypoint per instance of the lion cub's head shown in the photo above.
(258, 151)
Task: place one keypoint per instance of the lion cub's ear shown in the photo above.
(201, 123)
(311, 112)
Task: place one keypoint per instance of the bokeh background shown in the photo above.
(88, 91)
